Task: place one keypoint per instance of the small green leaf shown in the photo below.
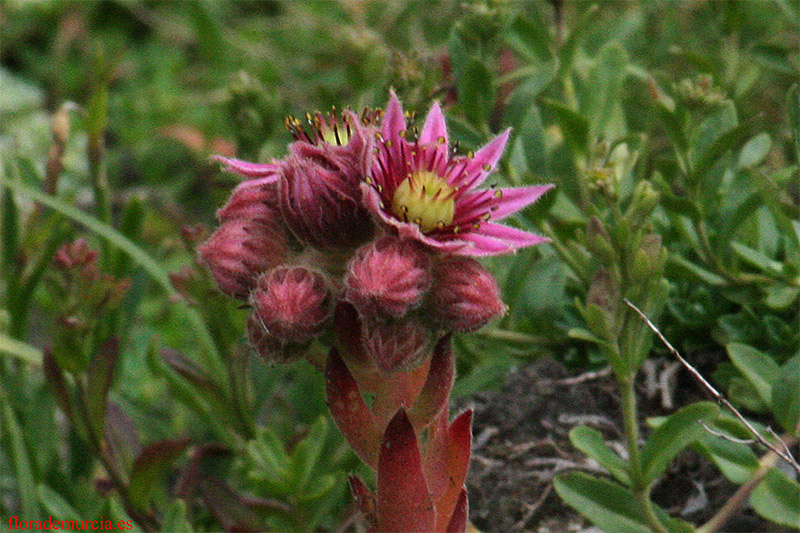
(531, 37)
(608, 505)
(725, 142)
(760, 370)
(573, 125)
(55, 504)
(758, 260)
(568, 51)
(101, 376)
(151, 467)
(686, 267)
(175, 518)
(21, 350)
(677, 432)
(307, 452)
(754, 152)
(476, 92)
(793, 112)
(591, 442)
(786, 396)
(23, 467)
(736, 461)
(604, 86)
(776, 499)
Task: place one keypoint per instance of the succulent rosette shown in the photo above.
(424, 191)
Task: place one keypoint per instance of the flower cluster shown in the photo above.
(366, 212)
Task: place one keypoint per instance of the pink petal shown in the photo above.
(476, 204)
(393, 120)
(516, 198)
(435, 127)
(514, 237)
(483, 246)
(487, 157)
(251, 170)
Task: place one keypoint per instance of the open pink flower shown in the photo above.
(425, 192)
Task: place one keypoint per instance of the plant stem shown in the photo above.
(640, 487)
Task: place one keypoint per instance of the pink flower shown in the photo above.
(318, 183)
(425, 192)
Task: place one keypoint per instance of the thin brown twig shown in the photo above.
(782, 453)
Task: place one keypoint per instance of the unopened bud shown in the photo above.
(75, 254)
(388, 277)
(268, 345)
(238, 252)
(292, 303)
(396, 345)
(253, 200)
(465, 296)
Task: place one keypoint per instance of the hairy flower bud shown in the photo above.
(254, 200)
(238, 252)
(388, 277)
(320, 192)
(395, 345)
(292, 303)
(464, 296)
(268, 345)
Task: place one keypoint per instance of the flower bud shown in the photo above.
(256, 201)
(395, 345)
(465, 296)
(320, 193)
(268, 345)
(388, 277)
(238, 252)
(75, 254)
(292, 303)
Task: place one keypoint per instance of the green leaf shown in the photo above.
(672, 125)
(755, 150)
(608, 505)
(150, 468)
(175, 518)
(776, 499)
(10, 238)
(793, 112)
(567, 52)
(686, 267)
(604, 87)
(736, 461)
(531, 37)
(677, 432)
(101, 376)
(591, 442)
(758, 260)
(307, 452)
(786, 396)
(725, 142)
(760, 370)
(23, 467)
(55, 504)
(573, 125)
(532, 137)
(20, 349)
(212, 358)
(476, 92)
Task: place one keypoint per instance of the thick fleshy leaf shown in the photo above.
(101, 375)
(458, 522)
(458, 448)
(349, 410)
(251, 170)
(364, 499)
(121, 437)
(404, 503)
(398, 390)
(435, 393)
(150, 468)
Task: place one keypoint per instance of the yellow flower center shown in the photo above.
(425, 199)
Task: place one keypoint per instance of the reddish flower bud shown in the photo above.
(238, 252)
(254, 200)
(74, 254)
(465, 296)
(320, 193)
(292, 303)
(268, 345)
(388, 277)
(395, 346)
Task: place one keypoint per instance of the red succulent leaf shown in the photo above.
(350, 411)
(458, 522)
(457, 452)
(404, 503)
(399, 390)
(436, 391)
(365, 500)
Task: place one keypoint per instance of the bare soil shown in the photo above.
(521, 441)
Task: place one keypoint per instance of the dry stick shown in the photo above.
(782, 453)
